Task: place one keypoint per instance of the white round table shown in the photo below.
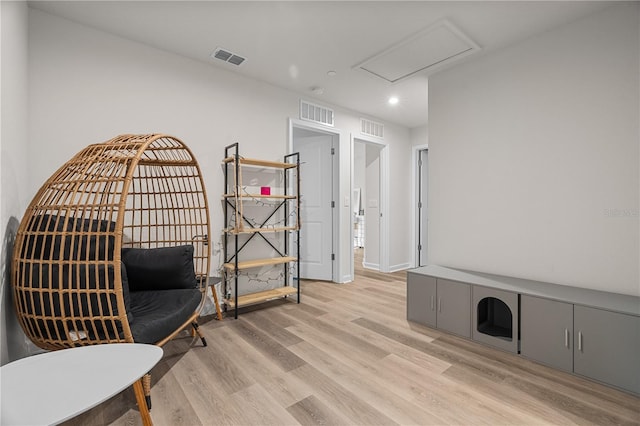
(55, 386)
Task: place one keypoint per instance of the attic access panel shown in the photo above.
(438, 44)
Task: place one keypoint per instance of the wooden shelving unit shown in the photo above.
(259, 163)
(254, 230)
(275, 197)
(261, 296)
(260, 262)
(236, 199)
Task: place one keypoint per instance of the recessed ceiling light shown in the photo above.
(331, 73)
(393, 100)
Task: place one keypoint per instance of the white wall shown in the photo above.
(14, 166)
(87, 86)
(400, 212)
(419, 136)
(534, 157)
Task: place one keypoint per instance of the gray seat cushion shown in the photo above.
(159, 313)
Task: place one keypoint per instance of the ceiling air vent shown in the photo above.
(226, 56)
(371, 128)
(316, 113)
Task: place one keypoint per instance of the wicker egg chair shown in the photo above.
(114, 247)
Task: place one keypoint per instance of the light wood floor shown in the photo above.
(347, 356)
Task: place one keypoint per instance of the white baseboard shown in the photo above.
(346, 279)
(400, 267)
(368, 265)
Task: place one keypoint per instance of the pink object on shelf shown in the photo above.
(265, 190)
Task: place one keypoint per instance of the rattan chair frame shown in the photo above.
(131, 191)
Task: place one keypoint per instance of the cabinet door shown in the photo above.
(607, 345)
(454, 307)
(421, 299)
(546, 331)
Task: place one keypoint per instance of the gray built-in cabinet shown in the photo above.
(547, 338)
(447, 304)
(591, 333)
(421, 306)
(607, 347)
(454, 301)
(591, 342)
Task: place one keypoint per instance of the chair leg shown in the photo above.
(146, 384)
(138, 389)
(215, 300)
(196, 329)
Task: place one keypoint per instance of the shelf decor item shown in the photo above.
(114, 247)
(260, 214)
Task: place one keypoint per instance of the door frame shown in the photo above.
(415, 155)
(335, 143)
(384, 200)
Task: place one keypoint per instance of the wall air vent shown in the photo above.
(371, 128)
(227, 56)
(316, 113)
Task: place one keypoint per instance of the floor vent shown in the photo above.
(371, 128)
(316, 113)
(226, 56)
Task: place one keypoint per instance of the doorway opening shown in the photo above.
(369, 204)
(318, 186)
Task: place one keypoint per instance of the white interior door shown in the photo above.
(316, 183)
(422, 206)
(373, 207)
